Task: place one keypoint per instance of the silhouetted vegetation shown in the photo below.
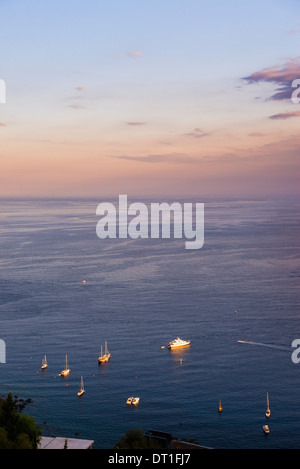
(17, 431)
(136, 439)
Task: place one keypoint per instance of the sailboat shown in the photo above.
(44, 363)
(81, 388)
(268, 412)
(67, 370)
(104, 357)
(220, 407)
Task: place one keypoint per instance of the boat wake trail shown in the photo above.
(278, 347)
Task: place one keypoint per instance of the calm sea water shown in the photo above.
(139, 295)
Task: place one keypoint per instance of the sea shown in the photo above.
(64, 291)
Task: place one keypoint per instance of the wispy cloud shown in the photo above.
(176, 158)
(285, 115)
(135, 53)
(132, 54)
(135, 123)
(294, 31)
(75, 106)
(281, 75)
(2, 124)
(284, 152)
(256, 134)
(197, 133)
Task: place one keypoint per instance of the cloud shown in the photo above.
(285, 115)
(256, 134)
(75, 106)
(80, 88)
(197, 133)
(2, 124)
(135, 123)
(280, 156)
(281, 152)
(135, 53)
(294, 31)
(177, 158)
(281, 75)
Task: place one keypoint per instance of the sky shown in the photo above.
(166, 98)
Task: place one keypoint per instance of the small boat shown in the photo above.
(67, 370)
(220, 407)
(44, 363)
(104, 357)
(266, 429)
(81, 388)
(178, 343)
(268, 412)
(133, 400)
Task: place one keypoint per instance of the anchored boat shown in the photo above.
(67, 370)
(104, 357)
(44, 363)
(220, 407)
(178, 343)
(266, 429)
(81, 388)
(133, 400)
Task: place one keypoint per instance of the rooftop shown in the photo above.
(49, 442)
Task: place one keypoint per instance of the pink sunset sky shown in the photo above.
(147, 99)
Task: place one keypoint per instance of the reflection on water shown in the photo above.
(180, 354)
